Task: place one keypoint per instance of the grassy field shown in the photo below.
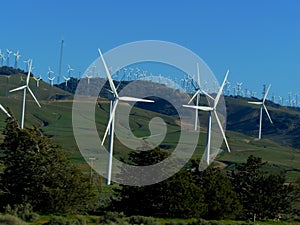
(54, 118)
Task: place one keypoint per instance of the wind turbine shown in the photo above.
(51, 79)
(212, 110)
(88, 78)
(25, 88)
(49, 71)
(26, 63)
(8, 55)
(110, 126)
(37, 79)
(66, 80)
(69, 71)
(17, 56)
(2, 57)
(197, 96)
(262, 105)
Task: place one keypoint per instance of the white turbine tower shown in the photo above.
(212, 110)
(262, 105)
(37, 79)
(2, 58)
(8, 55)
(69, 71)
(197, 96)
(110, 125)
(17, 56)
(51, 79)
(25, 88)
(66, 80)
(27, 63)
(88, 78)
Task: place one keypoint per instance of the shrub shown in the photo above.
(58, 220)
(11, 220)
(143, 220)
(23, 211)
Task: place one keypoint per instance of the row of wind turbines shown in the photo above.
(212, 109)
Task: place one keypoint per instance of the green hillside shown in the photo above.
(278, 146)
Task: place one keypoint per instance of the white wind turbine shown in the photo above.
(197, 96)
(17, 56)
(51, 79)
(8, 55)
(37, 79)
(25, 88)
(212, 110)
(49, 71)
(88, 78)
(66, 80)
(110, 125)
(2, 57)
(69, 71)
(262, 105)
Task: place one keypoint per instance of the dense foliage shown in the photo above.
(262, 194)
(37, 172)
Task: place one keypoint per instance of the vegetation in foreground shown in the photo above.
(36, 178)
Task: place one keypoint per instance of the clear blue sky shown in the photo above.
(259, 41)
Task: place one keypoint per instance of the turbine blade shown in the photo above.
(221, 89)
(4, 110)
(203, 108)
(132, 99)
(266, 94)
(111, 117)
(268, 113)
(34, 97)
(222, 131)
(111, 83)
(255, 103)
(17, 89)
(194, 96)
(208, 95)
(29, 71)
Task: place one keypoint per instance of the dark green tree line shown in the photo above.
(37, 172)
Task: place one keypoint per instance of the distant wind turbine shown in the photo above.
(2, 58)
(37, 79)
(8, 55)
(110, 126)
(262, 105)
(25, 88)
(17, 56)
(66, 80)
(69, 71)
(51, 79)
(212, 110)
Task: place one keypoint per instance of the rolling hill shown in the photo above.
(279, 146)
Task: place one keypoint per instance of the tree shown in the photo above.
(177, 196)
(220, 198)
(37, 172)
(263, 195)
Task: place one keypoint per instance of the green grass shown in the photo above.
(55, 120)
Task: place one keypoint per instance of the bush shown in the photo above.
(58, 220)
(143, 220)
(113, 218)
(23, 211)
(11, 220)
